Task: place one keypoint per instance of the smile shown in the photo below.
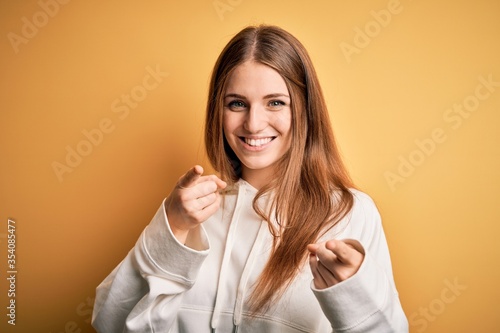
(257, 142)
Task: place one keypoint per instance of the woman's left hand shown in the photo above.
(333, 261)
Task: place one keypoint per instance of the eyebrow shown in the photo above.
(265, 97)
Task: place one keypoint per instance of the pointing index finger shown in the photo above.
(189, 179)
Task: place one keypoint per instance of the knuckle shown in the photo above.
(198, 217)
(211, 186)
(188, 211)
(341, 276)
(183, 196)
(332, 245)
(210, 209)
(212, 197)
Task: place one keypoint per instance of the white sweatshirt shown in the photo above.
(165, 286)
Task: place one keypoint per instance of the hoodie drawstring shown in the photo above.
(242, 287)
(221, 290)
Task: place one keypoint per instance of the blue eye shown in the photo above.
(236, 105)
(276, 104)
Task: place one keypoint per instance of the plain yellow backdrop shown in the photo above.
(102, 108)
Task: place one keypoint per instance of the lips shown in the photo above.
(259, 142)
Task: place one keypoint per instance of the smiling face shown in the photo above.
(257, 120)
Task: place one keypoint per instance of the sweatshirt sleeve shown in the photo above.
(143, 293)
(368, 301)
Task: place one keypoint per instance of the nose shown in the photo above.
(255, 120)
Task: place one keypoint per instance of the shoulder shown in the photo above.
(362, 221)
(363, 204)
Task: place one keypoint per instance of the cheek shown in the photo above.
(283, 123)
(229, 125)
(284, 126)
(232, 120)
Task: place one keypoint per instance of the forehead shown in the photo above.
(254, 80)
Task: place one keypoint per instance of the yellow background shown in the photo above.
(441, 218)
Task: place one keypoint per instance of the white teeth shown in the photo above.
(257, 142)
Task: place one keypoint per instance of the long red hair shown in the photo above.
(311, 191)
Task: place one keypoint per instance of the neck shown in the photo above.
(257, 178)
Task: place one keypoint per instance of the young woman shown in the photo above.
(281, 242)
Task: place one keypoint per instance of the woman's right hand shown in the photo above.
(192, 201)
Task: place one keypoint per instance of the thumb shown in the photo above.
(312, 248)
(189, 179)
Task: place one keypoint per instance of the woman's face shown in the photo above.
(257, 119)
